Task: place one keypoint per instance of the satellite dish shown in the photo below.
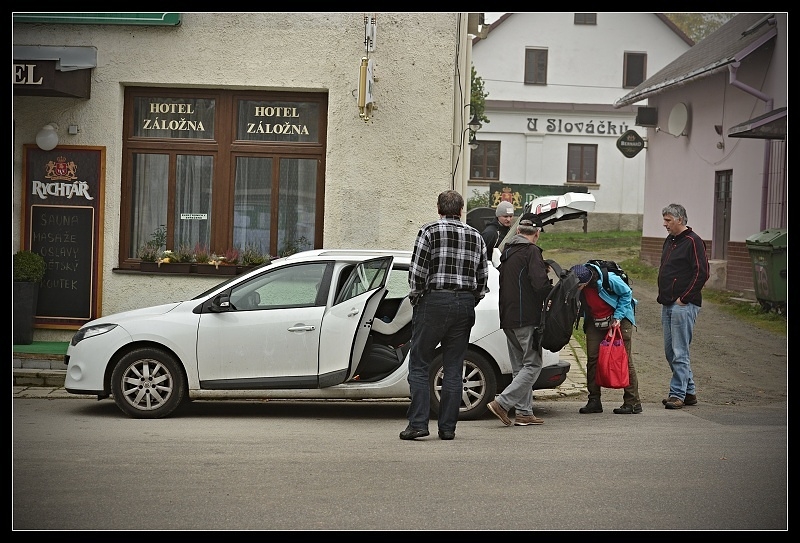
(678, 118)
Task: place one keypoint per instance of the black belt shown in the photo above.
(452, 289)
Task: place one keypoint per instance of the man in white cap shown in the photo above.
(496, 231)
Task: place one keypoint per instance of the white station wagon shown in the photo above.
(321, 324)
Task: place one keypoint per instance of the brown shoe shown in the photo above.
(499, 412)
(690, 399)
(527, 420)
(673, 403)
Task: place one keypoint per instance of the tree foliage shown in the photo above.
(478, 96)
(699, 25)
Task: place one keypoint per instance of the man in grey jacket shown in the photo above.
(524, 284)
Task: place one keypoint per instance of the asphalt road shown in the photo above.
(79, 464)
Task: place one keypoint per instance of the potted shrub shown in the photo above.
(29, 270)
(205, 262)
(252, 257)
(225, 263)
(178, 261)
(150, 252)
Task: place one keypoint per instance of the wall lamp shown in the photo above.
(473, 141)
(47, 138)
(474, 123)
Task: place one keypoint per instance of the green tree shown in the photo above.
(699, 25)
(477, 97)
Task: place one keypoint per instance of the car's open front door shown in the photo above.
(346, 326)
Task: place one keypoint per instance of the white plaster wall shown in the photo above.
(584, 78)
(584, 61)
(681, 170)
(382, 177)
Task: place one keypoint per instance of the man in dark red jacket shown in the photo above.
(524, 284)
(681, 276)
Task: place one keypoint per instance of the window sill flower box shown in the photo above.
(215, 269)
(172, 267)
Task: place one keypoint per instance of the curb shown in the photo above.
(42, 376)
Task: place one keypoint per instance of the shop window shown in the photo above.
(485, 160)
(581, 163)
(222, 169)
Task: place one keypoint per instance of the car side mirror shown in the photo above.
(220, 303)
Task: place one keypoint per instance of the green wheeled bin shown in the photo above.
(767, 251)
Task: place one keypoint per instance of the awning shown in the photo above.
(769, 126)
(42, 70)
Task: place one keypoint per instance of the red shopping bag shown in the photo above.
(612, 363)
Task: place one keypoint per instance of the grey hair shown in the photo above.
(526, 228)
(677, 211)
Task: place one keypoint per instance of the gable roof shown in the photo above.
(681, 34)
(733, 41)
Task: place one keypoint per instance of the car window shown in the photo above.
(365, 276)
(289, 286)
(397, 284)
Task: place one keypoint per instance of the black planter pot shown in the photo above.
(26, 295)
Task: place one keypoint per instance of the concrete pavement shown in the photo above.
(42, 376)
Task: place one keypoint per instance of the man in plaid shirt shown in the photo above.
(448, 277)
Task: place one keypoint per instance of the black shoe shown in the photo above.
(412, 433)
(592, 406)
(628, 409)
(446, 435)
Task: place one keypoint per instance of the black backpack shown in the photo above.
(560, 310)
(607, 266)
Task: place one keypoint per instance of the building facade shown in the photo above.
(226, 131)
(552, 79)
(718, 143)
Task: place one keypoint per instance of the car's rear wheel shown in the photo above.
(479, 385)
(148, 383)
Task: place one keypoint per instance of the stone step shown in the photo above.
(46, 370)
(28, 377)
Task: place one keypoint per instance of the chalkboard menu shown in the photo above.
(63, 236)
(63, 201)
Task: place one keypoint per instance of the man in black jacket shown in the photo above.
(496, 230)
(681, 276)
(524, 284)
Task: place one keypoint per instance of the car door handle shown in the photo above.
(302, 328)
(353, 312)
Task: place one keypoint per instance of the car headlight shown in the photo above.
(91, 331)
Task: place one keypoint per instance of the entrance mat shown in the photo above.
(43, 347)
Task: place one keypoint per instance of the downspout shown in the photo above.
(732, 68)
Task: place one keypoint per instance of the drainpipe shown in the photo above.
(732, 68)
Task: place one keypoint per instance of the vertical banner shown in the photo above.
(63, 219)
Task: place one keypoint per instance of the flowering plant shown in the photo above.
(182, 254)
(201, 254)
(252, 256)
(150, 251)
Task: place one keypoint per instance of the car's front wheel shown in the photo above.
(148, 383)
(479, 385)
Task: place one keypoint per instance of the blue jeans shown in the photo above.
(526, 365)
(677, 322)
(446, 317)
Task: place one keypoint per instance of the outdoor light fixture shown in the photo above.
(473, 141)
(474, 123)
(47, 138)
